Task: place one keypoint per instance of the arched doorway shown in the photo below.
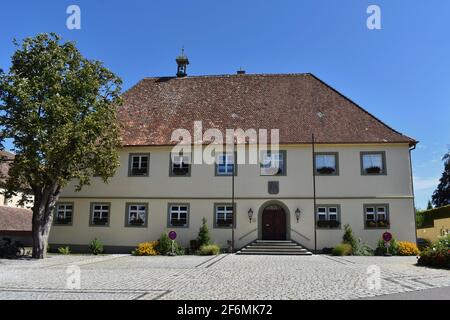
(273, 223)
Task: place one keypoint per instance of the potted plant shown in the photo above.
(373, 170)
(371, 224)
(325, 170)
(334, 224)
(323, 224)
(137, 222)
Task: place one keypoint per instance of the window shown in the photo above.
(224, 216)
(328, 216)
(225, 165)
(100, 214)
(326, 164)
(136, 215)
(178, 215)
(139, 165)
(376, 216)
(180, 165)
(273, 163)
(373, 163)
(63, 214)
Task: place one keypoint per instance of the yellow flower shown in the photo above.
(406, 248)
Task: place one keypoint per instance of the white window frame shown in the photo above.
(140, 162)
(227, 211)
(65, 210)
(327, 212)
(102, 212)
(376, 214)
(177, 210)
(175, 161)
(225, 160)
(270, 163)
(139, 213)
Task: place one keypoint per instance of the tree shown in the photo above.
(429, 205)
(60, 111)
(203, 234)
(441, 196)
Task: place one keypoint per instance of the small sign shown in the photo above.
(172, 235)
(387, 236)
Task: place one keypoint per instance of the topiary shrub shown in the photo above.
(209, 250)
(344, 249)
(96, 247)
(203, 238)
(64, 250)
(146, 249)
(406, 248)
(350, 239)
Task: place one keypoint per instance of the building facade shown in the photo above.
(359, 173)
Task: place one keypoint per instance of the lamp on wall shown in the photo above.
(297, 214)
(250, 215)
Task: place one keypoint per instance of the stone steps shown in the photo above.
(274, 247)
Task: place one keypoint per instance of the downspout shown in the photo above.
(412, 189)
(314, 193)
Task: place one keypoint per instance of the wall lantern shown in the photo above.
(297, 214)
(250, 215)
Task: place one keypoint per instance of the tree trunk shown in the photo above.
(44, 205)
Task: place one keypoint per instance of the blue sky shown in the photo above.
(400, 73)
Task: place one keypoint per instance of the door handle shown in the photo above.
(267, 225)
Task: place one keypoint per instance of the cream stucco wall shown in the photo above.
(441, 227)
(13, 201)
(202, 189)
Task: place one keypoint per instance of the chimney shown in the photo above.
(182, 62)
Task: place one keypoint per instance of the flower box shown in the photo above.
(326, 170)
(373, 170)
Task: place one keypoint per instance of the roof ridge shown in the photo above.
(232, 75)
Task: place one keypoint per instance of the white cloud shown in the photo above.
(425, 183)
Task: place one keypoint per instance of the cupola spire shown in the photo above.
(182, 62)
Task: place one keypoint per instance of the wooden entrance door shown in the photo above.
(274, 223)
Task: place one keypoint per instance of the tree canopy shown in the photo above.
(441, 196)
(60, 111)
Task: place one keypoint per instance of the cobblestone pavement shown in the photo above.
(220, 277)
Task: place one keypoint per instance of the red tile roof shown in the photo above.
(292, 103)
(15, 219)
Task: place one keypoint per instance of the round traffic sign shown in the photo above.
(172, 235)
(387, 236)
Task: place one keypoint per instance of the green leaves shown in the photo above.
(60, 110)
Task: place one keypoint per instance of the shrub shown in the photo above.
(406, 248)
(437, 255)
(209, 250)
(423, 243)
(146, 249)
(164, 246)
(96, 247)
(349, 238)
(344, 249)
(363, 249)
(64, 250)
(381, 248)
(203, 234)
